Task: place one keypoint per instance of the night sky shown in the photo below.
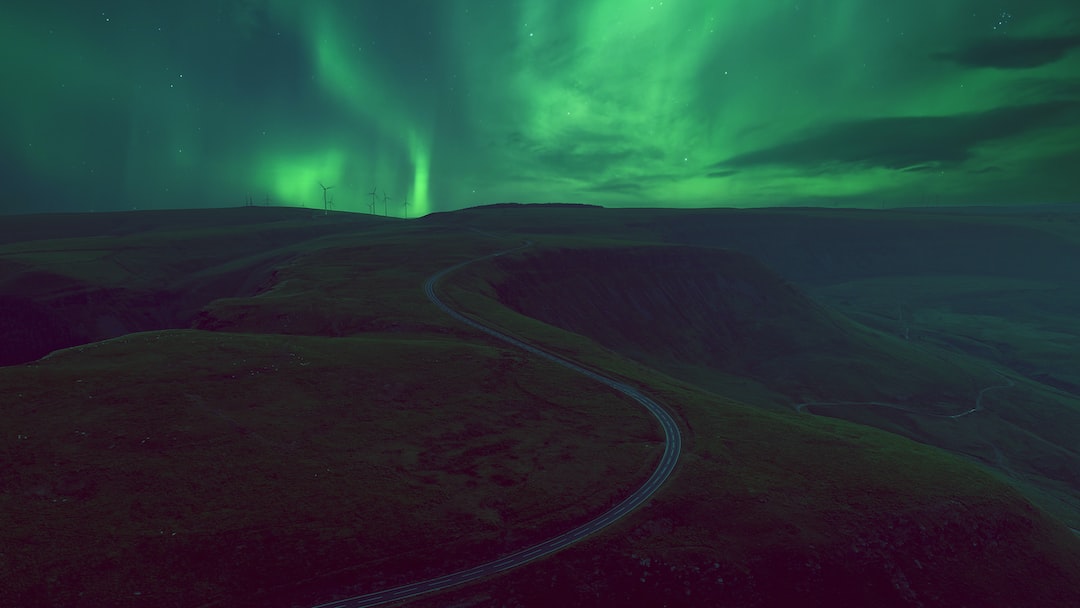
(449, 103)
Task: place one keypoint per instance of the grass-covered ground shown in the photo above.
(190, 468)
(953, 298)
(769, 509)
(308, 425)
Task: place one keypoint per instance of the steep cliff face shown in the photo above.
(677, 306)
(30, 330)
(45, 311)
(681, 303)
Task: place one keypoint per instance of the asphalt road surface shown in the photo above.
(672, 449)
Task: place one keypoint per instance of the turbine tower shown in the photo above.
(372, 205)
(385, 202)
(325, 203)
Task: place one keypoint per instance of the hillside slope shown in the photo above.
(683, 307)
(142, 271)
(776, 509)
(715, 318)
(381, 442)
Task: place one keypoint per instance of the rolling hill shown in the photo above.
(272, 414)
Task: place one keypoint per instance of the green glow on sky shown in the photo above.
(420, 156)
(450, 103)
(293, 178)
(369, 97)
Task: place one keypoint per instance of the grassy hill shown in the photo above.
(72, 279)
(684, 308)
(964, 294)
(294, 422)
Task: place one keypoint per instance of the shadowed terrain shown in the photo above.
(293, 421)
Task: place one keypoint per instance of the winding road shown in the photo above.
(672, 449)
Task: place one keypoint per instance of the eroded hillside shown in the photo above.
(711, 316)
(685, 308)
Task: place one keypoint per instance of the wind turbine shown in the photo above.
(405, 204)
(325, 205)
(385, 201)
(372, 193)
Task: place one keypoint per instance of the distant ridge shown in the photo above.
(998, 209)
(45, 226)
(505, 205)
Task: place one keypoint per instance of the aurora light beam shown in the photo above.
(450, 103)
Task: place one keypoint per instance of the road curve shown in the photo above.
(672, 449)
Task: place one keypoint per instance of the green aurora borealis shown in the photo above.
(450, 103)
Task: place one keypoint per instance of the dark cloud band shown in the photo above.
(1012, 53)
(906, 143)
